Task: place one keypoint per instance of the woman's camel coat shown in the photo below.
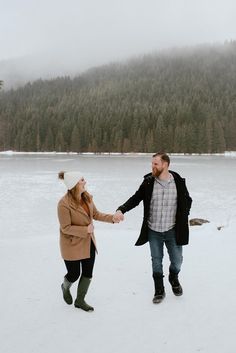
(74, 238)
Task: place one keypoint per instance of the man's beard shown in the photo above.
(156, 172)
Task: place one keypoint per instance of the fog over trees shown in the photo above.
(180, 100)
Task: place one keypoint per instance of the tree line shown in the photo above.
(181, 100)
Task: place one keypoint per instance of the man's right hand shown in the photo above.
(118, 216)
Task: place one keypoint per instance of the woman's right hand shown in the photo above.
(90, 228)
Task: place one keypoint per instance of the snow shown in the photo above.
(34, 318)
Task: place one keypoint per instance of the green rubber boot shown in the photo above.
(66, 291)
(81, 293)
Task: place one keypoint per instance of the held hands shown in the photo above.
(118, 216)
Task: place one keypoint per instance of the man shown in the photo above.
(166, 208)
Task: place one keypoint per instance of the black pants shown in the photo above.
(73, 267)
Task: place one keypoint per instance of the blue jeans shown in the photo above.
(156, 242)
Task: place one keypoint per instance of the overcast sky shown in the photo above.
(92, 32)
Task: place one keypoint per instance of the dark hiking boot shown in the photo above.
(159, 288)
(176, 286)
(158, 297)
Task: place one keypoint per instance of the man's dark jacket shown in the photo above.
(144, 193)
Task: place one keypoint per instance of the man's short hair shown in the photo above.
(164, 157)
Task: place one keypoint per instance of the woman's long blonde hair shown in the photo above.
(85, 196)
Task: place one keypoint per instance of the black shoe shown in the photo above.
(176, 286)
(159, 288)
(158, 297)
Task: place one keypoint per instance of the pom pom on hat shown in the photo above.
(71, 179)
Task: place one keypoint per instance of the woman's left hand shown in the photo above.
(90, 228)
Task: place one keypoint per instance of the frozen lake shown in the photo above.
(34, 317)
(30, 188)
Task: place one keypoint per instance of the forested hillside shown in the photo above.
(183, 100)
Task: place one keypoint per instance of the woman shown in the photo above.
(76, 212)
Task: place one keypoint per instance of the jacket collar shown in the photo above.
(175, 175)
(71, 203)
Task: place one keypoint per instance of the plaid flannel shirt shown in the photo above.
(163, 205)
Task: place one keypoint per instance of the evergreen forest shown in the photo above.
(178, 100)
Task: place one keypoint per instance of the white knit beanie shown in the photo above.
(71, 179)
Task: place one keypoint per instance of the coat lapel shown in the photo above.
(80, 208)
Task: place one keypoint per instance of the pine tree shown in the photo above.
(177, 103)
(75, 140)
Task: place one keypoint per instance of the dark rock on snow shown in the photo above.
(197, 221)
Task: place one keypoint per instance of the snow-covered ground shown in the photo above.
(34, 318)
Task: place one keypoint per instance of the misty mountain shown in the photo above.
(17, 72)
(48, 65)
(181, 100)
